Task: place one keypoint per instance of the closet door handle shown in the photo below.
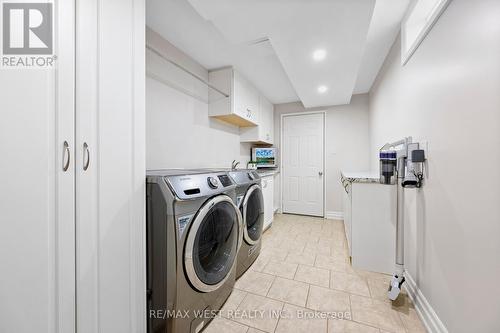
(66, 156)
(86, 158)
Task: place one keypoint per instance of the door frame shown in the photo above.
(282, 178)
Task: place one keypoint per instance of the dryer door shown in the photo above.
(252, 211)
(212, 244)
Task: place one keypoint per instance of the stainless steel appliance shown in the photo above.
(194, 232)
(250, 202)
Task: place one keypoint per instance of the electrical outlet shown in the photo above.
(425, 146)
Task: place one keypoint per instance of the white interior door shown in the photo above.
(303, 150)
(37, 230)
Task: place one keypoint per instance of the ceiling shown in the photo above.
(272, 42)
(384, 28)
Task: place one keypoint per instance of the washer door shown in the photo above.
(252, 211)
(212, 244)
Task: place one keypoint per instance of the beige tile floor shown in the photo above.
(303, 271)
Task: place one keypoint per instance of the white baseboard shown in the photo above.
(334, 215)
(425, 311)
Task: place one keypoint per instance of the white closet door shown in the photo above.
(87, 198)
(37, 281)
(111, 288)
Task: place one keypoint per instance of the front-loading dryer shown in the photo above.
(194, 232)
(250, 202)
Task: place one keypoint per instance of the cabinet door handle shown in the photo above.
(66, 156)
(86, 158)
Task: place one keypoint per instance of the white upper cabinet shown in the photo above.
(263, 133)
(234, 100)
(246, 98)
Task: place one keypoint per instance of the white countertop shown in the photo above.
(361, 176)
(267, 172)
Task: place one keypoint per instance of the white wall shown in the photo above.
(449, 95)
(347, 142)
(179, 133)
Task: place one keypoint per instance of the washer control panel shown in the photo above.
(225, 180)
(192, 186)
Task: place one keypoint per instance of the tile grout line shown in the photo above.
(369, 324)
(292, 304)
(307, 297)
(270, 287)
(295, 273)
(278, 322)
(237, 322)
(330, 277)
(350, 308)
(334, 252)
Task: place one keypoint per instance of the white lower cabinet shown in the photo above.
(268, 194)
(277, 201)
(72, 198)
(370, 226)
(347, 215)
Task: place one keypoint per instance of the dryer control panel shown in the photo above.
(242, 177)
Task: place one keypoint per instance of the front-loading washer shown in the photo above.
(194, 232)
(250, 202)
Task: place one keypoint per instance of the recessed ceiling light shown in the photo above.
(319, 54)
(322, 89)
